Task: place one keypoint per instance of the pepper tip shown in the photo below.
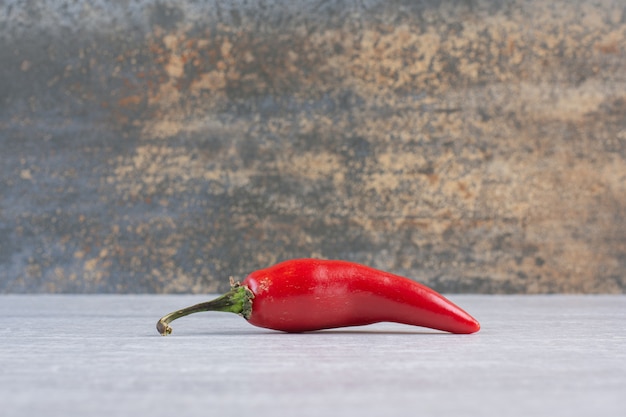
(475, 328)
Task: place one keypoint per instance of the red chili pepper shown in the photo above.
(309, 294)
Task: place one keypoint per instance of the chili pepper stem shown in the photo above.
(238, 300)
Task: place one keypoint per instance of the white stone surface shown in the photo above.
(101, 356)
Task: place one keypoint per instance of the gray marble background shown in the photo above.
(163, 146)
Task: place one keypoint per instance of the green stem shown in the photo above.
(238, 300)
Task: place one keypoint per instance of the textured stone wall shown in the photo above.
(163, 146)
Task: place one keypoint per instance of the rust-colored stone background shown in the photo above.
(163, 146)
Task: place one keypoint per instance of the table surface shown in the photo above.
(96, 355)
